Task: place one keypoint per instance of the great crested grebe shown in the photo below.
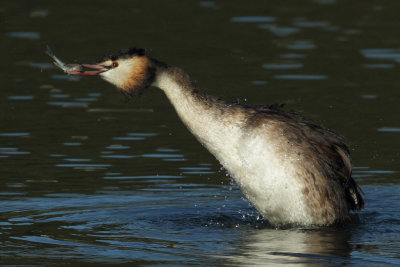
(293, 170)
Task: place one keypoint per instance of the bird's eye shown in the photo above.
(115, 64)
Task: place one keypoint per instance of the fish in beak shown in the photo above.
(91, 69)
(77, 69)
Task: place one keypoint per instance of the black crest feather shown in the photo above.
(123, 53)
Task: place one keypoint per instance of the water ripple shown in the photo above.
(159, 155)
(59, 95)
(143, 134)
(57, 155)
(369, 96)
(258, 82)
(379, 66)
(167, 150)
(117, 147)
(118, 156)
(142, 177)
(68, 104)
(282, 66)
(382, 53)
(79, 165)
(2, 149)
(14, 134)
(21, 97)
(253, 19)
(311, 24)
(72, 144)
(41, 65)
(300, 77)
(280, 31)
(389, 129)
(25, 35)
(174, 159)
(94, 94)
(292, 56)
(301, 45)
(39, 13)
(198, 172)
(66, 77)
(15, 152)
(86, 99)
(195, 168)
(77, 160)
(128, 138)
(208, 4)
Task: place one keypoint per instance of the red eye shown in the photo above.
(115, 64)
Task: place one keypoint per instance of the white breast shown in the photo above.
(268, 178)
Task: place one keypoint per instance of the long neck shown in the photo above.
(214, 123)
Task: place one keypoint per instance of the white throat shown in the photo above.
(218, 133)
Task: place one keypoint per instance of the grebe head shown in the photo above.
(131, 71)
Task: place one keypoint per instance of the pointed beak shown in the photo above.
(91, 69)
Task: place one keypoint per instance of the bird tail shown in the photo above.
(354, 194)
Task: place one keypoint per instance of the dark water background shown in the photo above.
(88, 177)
